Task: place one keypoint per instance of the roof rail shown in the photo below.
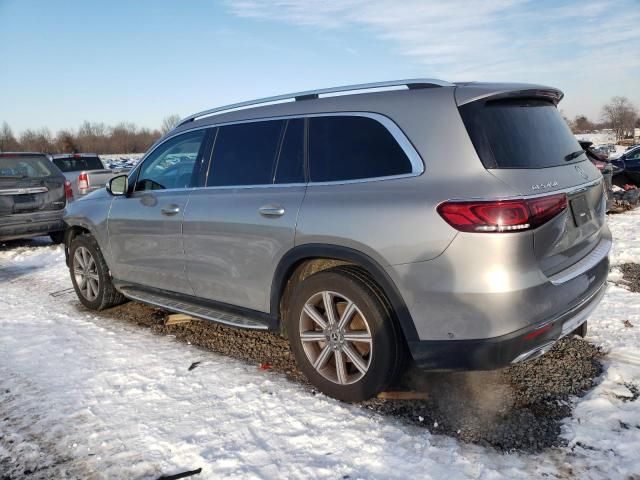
(312, 94)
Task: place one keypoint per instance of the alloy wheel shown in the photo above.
(85, 271)
(336, 337)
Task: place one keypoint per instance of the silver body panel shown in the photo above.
(455, 285)
(232, 250)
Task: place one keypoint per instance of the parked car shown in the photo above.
(85, 171)
(33, 195)
(602, 151)
(629, 163)
(457, 225)
(607, 169)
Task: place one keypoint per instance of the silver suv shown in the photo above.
(458, 226)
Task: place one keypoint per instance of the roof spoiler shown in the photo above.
(472, 92)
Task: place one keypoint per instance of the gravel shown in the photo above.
(518, 408)
(631, 276)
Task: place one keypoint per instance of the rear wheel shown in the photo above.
(342, 335)
(90, 275)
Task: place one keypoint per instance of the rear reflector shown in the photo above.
(83, 183)
(68, 191)
(502, 215)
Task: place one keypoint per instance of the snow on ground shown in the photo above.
(82, 396)
(626, 234)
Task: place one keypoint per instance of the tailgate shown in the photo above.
(32, 195)
(29, 183)
(526, 143)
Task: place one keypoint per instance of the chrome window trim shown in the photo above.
(417, 165)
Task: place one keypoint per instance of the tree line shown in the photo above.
(620, 115)
(94, 137)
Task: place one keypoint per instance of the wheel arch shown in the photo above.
(71, 232)
(291, 262)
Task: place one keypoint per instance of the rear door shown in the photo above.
(145, 227)
(526, 143)
(29, 183)
(237, 229)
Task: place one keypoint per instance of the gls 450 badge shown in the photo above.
(544, 186)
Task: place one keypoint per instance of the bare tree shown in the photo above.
(66, 142)
(8, 142)
(582, 124)
(620, 114)
(168, 123)
(37, 141)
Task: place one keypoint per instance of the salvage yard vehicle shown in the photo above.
(85, 171)
(607, 169)
(456, 225)
(33, 195)
(629, 163)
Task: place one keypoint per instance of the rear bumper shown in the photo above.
(30, 224)
(492, 353)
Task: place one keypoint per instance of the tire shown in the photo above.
(90, 275)
(57, 237)
(371, 361)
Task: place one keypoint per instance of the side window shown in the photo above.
(290, 164)
(245, 153)
(171, 165)
(352, 147)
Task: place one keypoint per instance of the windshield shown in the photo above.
(520, 133)
(74, 164)
(25, 167)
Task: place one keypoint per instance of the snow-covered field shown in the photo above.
(82, 396)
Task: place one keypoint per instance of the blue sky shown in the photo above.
(138, 61)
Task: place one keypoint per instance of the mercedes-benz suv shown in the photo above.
(457, 226)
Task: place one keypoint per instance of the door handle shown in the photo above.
(271, 210)
(170, 210)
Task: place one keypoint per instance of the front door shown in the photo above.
(145, 227)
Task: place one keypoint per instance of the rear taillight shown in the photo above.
(83, 183)
(502, 215)
(68, 191)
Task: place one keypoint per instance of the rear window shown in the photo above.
(25, 167)
(520, 133)
(351, 147)
(72, 164)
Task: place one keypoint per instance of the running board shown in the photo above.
(195, 310)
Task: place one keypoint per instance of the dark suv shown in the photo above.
(33, 195)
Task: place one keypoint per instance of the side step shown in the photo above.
(194, 309)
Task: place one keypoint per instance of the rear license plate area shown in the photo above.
(580, 210)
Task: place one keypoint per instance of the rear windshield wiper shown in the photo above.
(573, 155)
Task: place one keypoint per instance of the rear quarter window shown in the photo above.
(520, 133)
(26, 166)
(72, 164)
(353, 147)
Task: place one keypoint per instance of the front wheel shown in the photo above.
(343, 336)
(90, 275)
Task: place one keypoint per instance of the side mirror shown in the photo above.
(118, 185)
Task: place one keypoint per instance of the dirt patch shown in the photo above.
(631, 276)
(516, 408)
